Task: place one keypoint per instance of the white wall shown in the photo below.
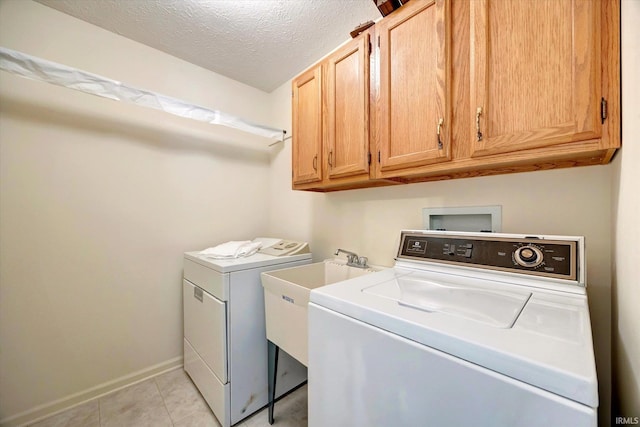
(566, 201)
(98, 201)
(626, 222)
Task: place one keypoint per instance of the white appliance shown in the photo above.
(467, 329)
(225, 344)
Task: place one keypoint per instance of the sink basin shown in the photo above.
(286, 296)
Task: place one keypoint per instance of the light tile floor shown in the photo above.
(169, 400)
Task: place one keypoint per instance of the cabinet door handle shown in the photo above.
(440, 123)
(330, 158)
(315, 162)
(478, 114)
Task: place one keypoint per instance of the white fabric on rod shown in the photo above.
(39, 69)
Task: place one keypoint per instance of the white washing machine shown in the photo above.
(225, 344)
(467, 329)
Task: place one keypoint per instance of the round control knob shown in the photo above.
(528, 256)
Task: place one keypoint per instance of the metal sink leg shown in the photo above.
(272, 370)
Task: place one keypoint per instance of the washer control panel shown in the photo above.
(528, 255)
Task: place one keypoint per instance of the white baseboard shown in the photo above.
(46, 410)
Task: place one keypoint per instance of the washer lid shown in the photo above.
(474, 301)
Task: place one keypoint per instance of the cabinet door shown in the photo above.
(535, 73)
(413, 98)
(307, 126)
(347, 109)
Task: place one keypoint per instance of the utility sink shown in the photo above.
(286, 296)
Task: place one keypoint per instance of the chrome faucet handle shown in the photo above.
(350, 255)
(353, 259)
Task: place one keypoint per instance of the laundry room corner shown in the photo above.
(625, 229)
(290, 212)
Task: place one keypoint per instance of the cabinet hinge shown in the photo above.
(378, 156)
(369, 48)
(603, 110)
(369, 158)
(378, 41)
(292, 94)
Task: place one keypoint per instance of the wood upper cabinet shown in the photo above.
(534, 74)
(455, 89)
(413, 104)
(307, 126)
(331, 119)
(347, 109)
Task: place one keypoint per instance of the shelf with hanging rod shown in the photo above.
(39, 69)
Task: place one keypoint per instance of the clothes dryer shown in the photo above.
(225, 344)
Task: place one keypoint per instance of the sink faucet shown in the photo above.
(353, 260)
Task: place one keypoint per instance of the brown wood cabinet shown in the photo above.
(413, 104)
(307, 126)
(346, 114)
(535, 74)
(333, 100)
(463, 88)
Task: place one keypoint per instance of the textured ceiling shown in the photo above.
(262, 43)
